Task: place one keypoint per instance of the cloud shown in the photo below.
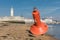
(49, 10)
(57, 2)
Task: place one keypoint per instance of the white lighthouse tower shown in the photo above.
(12, 11)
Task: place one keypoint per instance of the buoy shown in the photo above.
(38, 27)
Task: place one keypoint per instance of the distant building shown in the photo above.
(12, 11)
(28, 20)
(49, 21)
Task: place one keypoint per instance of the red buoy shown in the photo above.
(38, 27)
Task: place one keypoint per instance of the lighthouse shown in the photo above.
(12, 11)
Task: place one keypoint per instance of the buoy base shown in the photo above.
(38, 30)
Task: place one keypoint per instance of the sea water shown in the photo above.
(54, 29)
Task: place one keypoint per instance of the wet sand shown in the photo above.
(17, 31)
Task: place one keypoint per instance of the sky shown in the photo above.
(24, 8)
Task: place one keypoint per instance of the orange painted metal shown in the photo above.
(38, 27)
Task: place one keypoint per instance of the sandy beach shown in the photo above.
(18, 31)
